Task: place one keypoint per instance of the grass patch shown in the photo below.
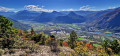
(96, 45)
(80, 38)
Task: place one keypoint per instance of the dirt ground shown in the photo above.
(44, 51)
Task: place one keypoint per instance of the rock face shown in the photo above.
(109, 20)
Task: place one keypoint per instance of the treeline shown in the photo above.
(111, 47)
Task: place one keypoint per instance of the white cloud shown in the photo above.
(36, 8)
(68, 9)
(112, 7)
(86, 8)
(4, 9)
(31, 6)
(102, 9)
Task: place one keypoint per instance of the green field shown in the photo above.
(97, 45)
(80, 38)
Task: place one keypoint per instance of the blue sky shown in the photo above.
(58, 5)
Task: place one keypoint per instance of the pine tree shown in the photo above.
(53, 44)
(7, 32)
(32, 31)
(73, 37)
(115, 46)
(5, 26)
(61, 42)
(25, 31)
(105, 45)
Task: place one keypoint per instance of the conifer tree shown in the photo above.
(73, 37)
(25, 31)
(7, 32)
(32, 31)
(105, 45)
(115, 46)
(5, 26)
(53, 44)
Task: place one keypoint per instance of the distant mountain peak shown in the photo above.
(23, 11)
(54, 12)
(27, 11)
(44, 13)
(72, 13)
(57, 13)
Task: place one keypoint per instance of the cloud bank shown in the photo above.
(68, 9)
(87, 8)
(4, 9)
(36, 8)
(83, 8)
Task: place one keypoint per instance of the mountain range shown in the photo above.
(7, 14)
(48, 17)
(97, 14)
(24, 15)
(19, 25)
(54, 16)
(108, 20)
(105, 18)
(70, 18)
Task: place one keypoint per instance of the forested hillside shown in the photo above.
(20, 25)
(16, 42)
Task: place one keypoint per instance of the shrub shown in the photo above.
(61, 42)
(28, 51)
(65, 44)
(114, 45)
(6, 43)
(1, 52)
(89, 46)
(53, 44)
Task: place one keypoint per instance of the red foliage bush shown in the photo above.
(65, 44)
(89, 46)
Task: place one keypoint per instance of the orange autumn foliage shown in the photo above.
(79, 43)
(89, 46)
(22, 33)
(65, 44)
